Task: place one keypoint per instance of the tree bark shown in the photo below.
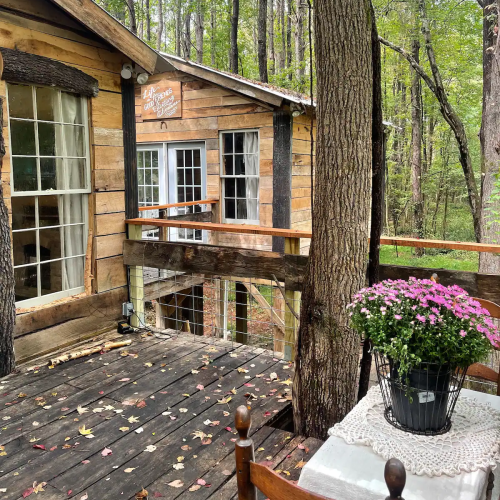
(262, 41)
(186, 45)
(327, 353)
(7, 282)
(233, 53)
(416, 154)
(490, 136)
(289, 38)
(213, 26)
(148, 21)
(300, 47)
(281, 22)
(160, 25)
(200, 19)
(272, 54)
(377, 210)
(178, 29)
(131, 15)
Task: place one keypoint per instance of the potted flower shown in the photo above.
(425, 336)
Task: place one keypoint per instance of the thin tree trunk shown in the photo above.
(7, 293)
(490, 136)
(262, 41)
(416, 155)
(148, 22)
(187, 33)
(445, 216)
(272, 55)
(233, 53)
(289, 39)
(281, 22)
(300, 45)
(213, 27)
(327, 352)
(131, 15)
(160, 24)
(141, 25)
(178, 29)
(377, 209)
(200, 19)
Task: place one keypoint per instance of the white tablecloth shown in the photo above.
(352, 471)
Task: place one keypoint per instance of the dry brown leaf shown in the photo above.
(141, 494)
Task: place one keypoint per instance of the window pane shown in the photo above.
(75, 170)
(51, 277)
(180, 195)
(154, 154)
(140, 159)
(238, 142)
(189, 176)
(230, 191)
(147, 176)
(252, 209)
(180, 177)
(147, 159)
(197, 176)
(188, 158)
(252, 164)
(189, 234)
(74, 208)
(74, 140)
(239, 165)
(20, 101)
(242, 209)
(241, 188)
(142, 195)
(228, 165)
(228, 143)
(149, 195)
(155, 176)
(25, 174)
(156, 195)
(24, 247)
(26, 282)
(180, 157)
(47, 105)
(230, 209)
(74, 269)
(251, 142)
(140, 177)
(197, 158)
(252, 188)
(23, 212)
(71, 108)
(48, 211)
(50, 141)
(51, 173)
(197, 193)
(73, 240)
(198, 235)
(50, 243)
(22, 138)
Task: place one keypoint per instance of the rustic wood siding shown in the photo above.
(206, 111)
(78, 47)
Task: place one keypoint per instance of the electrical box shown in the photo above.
(127, 309)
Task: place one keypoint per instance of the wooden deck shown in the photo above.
(145, 405)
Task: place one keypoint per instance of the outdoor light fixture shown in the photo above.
(126, 71)
(142, 78)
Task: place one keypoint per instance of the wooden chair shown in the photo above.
(252, 476)
(478, 370)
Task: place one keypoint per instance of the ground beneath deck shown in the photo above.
(157, 415)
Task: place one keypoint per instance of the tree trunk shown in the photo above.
(445, 216)
(7, 294)
(233, 53)
(377, 209)
(160, 25)
(289, 39)
(131, 15)
(272, 55)
(187, 34)
(490, 136)
(199, 31)
(416, 154)
(148, 22)
(262, 41)
(281, 22)
(327, 353)
(213, 26)
(178, 29)
(300, 47)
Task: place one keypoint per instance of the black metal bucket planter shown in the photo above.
(421, 401)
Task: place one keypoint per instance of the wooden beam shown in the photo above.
(130, 149)
(216, 261)
(22, 67)
(194, 217)
(96, 19)
(178, 205)
(448, 245)
(224, 228)
(282, 175)
(161, 288)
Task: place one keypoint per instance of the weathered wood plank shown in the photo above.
(216, 260)
(108, 137)
(109, 180)
(109, 246)
(108, 157)
(109, 223)
(108, 202)
(110, 273)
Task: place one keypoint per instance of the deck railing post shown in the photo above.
(292, 246)
(136, 282)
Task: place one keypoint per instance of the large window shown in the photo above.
(50, 182)
(240, 176)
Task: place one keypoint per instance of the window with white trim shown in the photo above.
(50, 180)
(240, 176)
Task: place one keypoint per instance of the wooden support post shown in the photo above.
(244, 454)
(279, 307)
(220, 309)
(241, 313)
(292, 246)
(198, 310)
(136, 283)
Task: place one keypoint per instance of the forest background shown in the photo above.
(270, 40)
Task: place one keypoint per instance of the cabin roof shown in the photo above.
(270, 94)
(103, 24)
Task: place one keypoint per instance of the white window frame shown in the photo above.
(45, 299)
(223, 176)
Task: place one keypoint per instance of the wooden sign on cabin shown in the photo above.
(161, 100)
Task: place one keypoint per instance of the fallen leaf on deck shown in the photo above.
(124, 429)
(39, 446)
(183, 410)
(109, 407)
(242, 370)
(200, 387)
(129, 470)
(223, 401)
(178, 466)
(84, 497)
(206, 441)
(273, 376)
(201, 482)
(199, 434)
(287, 382)
(300, 446)
(226, 413)
(22, 395)
(194, 372)
(27, 492)
(141, 494)
(133, 420)
(97, 410)
(139, 430)
(228, 429)
(150, 448)
(148, 365)
(234, 391)
(124, 380)
(180, 459)
(300, 464)
(227, 473)
(176, 484)
(83, 431)
(141, 404)
(106, 452)
(186, 447)
(195, 487)
(85, 461)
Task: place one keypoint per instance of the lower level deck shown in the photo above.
(156, 415)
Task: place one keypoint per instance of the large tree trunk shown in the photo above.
(186, 45)
(262, 41)
(270, 23)
(160, 25)
(233, 53)
(131, 15)
(289, 39)
(178, 29)
(490, 136)
(7, 295)
(300, 46)
(281, 22)
(199, 31)
(416, 154)
(148, 22)
(327, 353)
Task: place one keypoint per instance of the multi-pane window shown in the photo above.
(50, 182)
(240, 176)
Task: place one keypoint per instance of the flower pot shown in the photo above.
(420, 397)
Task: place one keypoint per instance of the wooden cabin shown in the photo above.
(205, 134)
(69, 131)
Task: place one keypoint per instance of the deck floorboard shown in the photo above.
(165, 409)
